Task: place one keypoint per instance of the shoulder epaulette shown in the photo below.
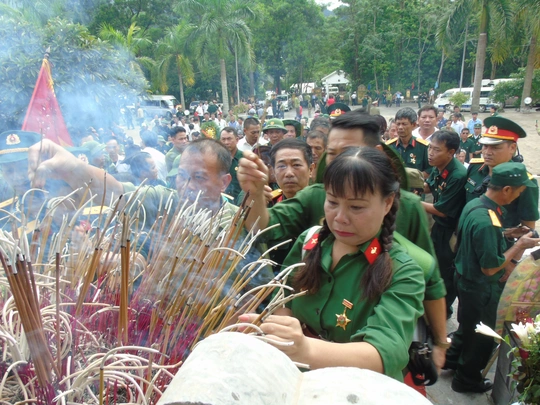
(494, 219)
(470, 135)
(276, 193)
(476, 161)
(390, 141)
(530, 176)
(422, 141)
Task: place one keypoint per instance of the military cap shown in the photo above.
(296, 124)
(174, 168)
(94, 148)
(511, 174)
(337, 109)
(478, 125)
(500, 129)
(274, 123)
(14, 145)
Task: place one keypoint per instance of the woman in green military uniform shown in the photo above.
(364, 292)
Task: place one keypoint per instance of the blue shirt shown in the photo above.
(471, 124)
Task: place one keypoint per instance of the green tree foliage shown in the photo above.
(89, 75)
(514, 88)
(458, 98)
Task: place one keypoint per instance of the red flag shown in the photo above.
(44, 115)
(412, 86)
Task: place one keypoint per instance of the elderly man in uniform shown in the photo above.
(307, 208)
(476, 150)
(445, 183)
(483, 262)
(274, 130)
(499, 145)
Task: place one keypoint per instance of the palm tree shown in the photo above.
(221, 26)
(173, 49)
(527, 11)
(132, 42)
(490, 12)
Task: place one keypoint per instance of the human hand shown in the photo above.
(527, 241)
(516, 232)
(438, 355)
(46, 160)
(283, 329)
(252, 174)
(268, 193)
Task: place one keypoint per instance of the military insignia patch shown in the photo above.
(13, 139)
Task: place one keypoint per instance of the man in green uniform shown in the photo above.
(477, 148)
(467, 144)
(499, 145)
(306, 209)
(446, 183)
(294, 129)
(275, 130)
(229, 139)
(483, 262)
(412, 150)
(179, 140)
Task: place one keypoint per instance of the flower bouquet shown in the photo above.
(526, 363)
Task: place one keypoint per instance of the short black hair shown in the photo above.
(314, 134)
(214, 146)
(450, 138)
(360, 120)
(292, 143)
(175, 130)
(149, 138)
(251, 121)
(230, 130)
(428, 107)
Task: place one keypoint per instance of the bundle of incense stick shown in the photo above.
(122, 299)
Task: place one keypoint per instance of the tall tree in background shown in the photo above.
(495, 14)
(219, 21)
(527, 11)
(172, 49)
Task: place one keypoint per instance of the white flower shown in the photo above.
(522, 333)
(486, 330)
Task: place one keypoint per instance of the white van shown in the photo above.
(443, 100)
(162, 106)
(485, 100)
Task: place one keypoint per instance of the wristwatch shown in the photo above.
(443, 345)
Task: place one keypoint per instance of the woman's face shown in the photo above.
(356, 219)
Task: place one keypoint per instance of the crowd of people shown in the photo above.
(352, 197)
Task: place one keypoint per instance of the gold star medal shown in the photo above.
(342, 319)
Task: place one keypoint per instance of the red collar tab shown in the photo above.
(373, 251)
(312, 242)
(413, 142)
(444, 174)
(499, 211)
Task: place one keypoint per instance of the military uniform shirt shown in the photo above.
(523, 208)
(414, 154)
(387, 324)
(481, 240)
(234, 187)
(469, 146)
(306, 209)
(170, 156)
(476, 145)
(448, 192)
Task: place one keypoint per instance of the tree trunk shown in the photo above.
(480, 61)
(464, 53)
(224, 92)
(529, 72)
(237, 79)
(252, 84)
(181, 82)
(443, 59)
(493, 70)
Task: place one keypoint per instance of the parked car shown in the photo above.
(160, 105)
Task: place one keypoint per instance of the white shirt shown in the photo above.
(159, 160)
(244, 146)
(416, 133)
(458, 126)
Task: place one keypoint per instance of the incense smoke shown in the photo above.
(92, 79)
